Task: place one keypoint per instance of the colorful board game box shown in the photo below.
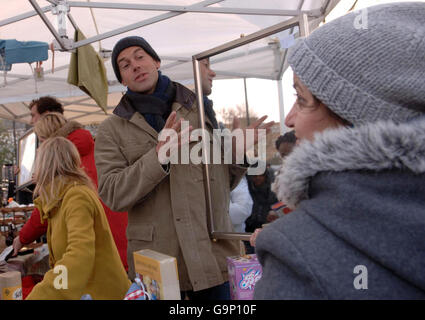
(244, 272)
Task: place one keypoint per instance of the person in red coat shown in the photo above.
(54, 124)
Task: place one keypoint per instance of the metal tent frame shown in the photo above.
(61, 8)
(300, 21)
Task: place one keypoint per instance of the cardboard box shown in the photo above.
(10, 286)
(159, 275)
(244, 272)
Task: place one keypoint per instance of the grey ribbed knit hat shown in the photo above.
(367, 69)
(130, 42)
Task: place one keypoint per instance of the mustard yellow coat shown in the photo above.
(83, 255)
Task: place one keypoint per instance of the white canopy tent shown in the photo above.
(177, 30)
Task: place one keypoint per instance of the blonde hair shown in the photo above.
(48, 124)
(57, 164)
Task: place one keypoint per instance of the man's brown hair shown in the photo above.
(47, 104)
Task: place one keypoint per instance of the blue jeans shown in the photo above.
(220, 292)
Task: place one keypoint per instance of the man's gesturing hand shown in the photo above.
(248, 143)
(170, 138)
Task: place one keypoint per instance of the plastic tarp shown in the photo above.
(15, 51)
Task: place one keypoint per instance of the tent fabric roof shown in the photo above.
(175, 39)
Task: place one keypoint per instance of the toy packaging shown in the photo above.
(244, 272)
(158, 274)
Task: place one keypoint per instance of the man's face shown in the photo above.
(139, 71)
(259, 180)
(207, 76)
(34, 114)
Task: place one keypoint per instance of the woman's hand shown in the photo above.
(254, 236)
(17, 245)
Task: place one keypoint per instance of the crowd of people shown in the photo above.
(353, 172)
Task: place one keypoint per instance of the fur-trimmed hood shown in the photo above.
(82, 139)
(69, 127)
(376, 146)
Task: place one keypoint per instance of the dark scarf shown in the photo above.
(155, 107)
(209, 111)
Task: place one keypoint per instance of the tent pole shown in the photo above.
(23, 16)
(304, 27)
(71, 19)
(48, 24)
(14, 142)
(140, 24)
(186, 9)
(206, 168)
(291, 31)
(281, 107)
(247, 39)
(246, 102)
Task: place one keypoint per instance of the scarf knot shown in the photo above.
(155, 107)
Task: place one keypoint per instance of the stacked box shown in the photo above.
(10, 286)
(244, 272)
(158, 273)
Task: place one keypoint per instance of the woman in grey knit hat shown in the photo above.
(357, 177)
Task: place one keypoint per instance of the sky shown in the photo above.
(262, 95)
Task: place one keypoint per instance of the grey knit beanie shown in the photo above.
(370, 69)
(130, 42)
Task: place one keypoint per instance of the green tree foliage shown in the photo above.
(226, 115)
(7, 149)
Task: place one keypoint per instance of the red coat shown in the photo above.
(84, 142)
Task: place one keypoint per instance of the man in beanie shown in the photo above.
(356, 179)
(165, 202)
